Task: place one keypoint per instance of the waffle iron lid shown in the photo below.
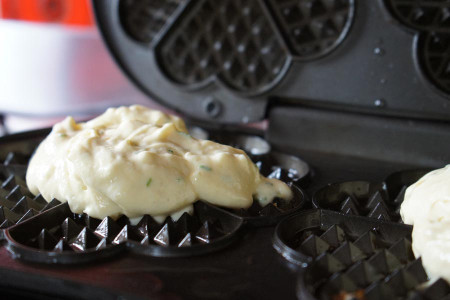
(223, 61)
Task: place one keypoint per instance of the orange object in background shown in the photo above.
(71, 12)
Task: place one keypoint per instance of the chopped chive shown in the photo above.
(184, 133)
(170, 151)
(206, 168)
(149, 181)
(179, 179)
(63, 135)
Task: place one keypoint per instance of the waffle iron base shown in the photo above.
(249, 268)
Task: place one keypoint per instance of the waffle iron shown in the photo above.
(356, 97)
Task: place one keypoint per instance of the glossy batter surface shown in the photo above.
(136, 161)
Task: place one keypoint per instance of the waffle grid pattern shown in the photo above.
(229, 40)
(357, 258)
(435, 50)
(432, 19)
(235, 42)
(17, 204)
(422, 15)
(372, 202)
(313, 28)
(64, 235)
(82, 233)
(365, 266)
(350, 257)
(368, 263)
(143, 20)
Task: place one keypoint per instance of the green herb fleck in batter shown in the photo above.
(184, 133)
(206, 168)
(149, 181)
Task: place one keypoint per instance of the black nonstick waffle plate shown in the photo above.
(17, 204)
(356, 258)
(82, 255)
(55, 235)
(374, 200)
(227, 61)
(59, 236)
(367, 79)
(355, 247)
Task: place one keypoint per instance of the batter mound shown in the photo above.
(134, 161)
(427, 207)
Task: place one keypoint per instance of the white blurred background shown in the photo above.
(53, 63)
